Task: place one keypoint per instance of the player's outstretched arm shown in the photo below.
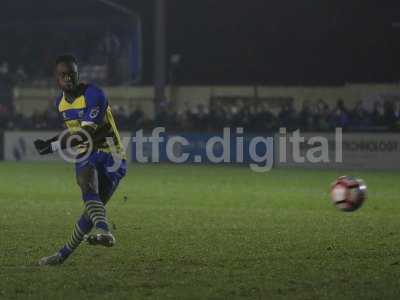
(87, 134)
(44, 146)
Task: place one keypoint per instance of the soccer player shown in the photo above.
(87, 115)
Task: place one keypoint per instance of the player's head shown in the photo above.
(66, 72)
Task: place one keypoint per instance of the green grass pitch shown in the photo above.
(202, 232)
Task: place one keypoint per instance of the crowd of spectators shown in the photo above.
(256, 117)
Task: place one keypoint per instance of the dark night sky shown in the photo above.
(272, 42)
(285, 41)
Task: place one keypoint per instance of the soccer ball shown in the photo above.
(348, 193)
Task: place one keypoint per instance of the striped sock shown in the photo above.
(96, 211)
(82, 227)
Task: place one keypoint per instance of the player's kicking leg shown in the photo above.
(82, 227)
(94, 216)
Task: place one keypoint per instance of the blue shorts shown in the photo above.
(110, 171)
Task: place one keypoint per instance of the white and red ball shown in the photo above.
(348, 193)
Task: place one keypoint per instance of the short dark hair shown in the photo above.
(66, 58)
